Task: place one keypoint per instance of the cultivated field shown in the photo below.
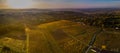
(37, 31)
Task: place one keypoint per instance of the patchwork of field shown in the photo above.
(62, 36)
(47, 38)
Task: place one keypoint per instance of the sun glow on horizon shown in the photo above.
(19, 3)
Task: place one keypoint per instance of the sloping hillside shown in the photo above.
(66, 34)
(59, 36)
(71, 35)
(12, 45)
(62, 36)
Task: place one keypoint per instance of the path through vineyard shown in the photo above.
(40, 41)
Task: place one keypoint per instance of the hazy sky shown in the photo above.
(60, 3)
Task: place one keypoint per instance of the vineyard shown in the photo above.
(62, 36)
(37, 31)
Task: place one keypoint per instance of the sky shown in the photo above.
(59, 4)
